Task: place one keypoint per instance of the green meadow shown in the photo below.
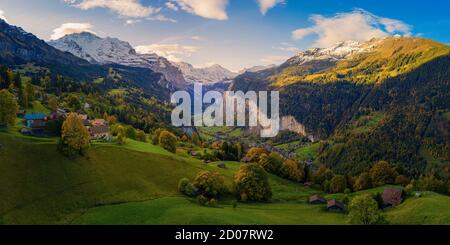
(137, 184)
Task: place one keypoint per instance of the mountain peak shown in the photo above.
(111, 50)
(212, 74)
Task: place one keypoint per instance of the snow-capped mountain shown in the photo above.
(340, 51)
(212, 74)
(109, 50)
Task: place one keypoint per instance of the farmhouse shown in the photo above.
(392, 197)
(335, 206)
(316, 199)
(100, 131)
(35, 124)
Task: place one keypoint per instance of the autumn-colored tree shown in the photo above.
(141, 136)
(362, 182)
(252, 183)
(196, 139)
(168, 141)
(52, 103)
(121, 138)
(382, 173)
(292, 170)
(110, 119)
(338, 184)
(322, 174)
(156, 134)
(210, 184)
(74, 103)
(402, 180)
(254, 154)
(271, 163)
(74, 134)
(8, 108)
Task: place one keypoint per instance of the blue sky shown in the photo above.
(233, 33)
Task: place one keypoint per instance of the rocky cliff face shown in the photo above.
(291, 124)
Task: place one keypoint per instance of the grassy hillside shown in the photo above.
(137, 184)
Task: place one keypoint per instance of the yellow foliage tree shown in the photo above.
(74, 133)
(8, 108)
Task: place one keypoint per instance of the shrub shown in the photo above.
(431, 183)
(202, 200)
(210, 184)
(168, 141)
(252, 183)
(338, 184)
(213, 202)
(409, 189)
(131, 132)
(347, 191)
(156, 134)
(292, 170)
(382, 173)
(185, 186)
(363, 210)
(140, 136)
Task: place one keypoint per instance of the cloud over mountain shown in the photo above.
(71, 28)
(2, 15)
(173, 52)
(358, 25)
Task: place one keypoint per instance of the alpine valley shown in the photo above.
(86, 137)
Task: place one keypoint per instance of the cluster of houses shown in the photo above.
(391, 197)
(35, 124)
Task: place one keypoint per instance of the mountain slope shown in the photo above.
(18, 48)
(212, 74)
(108, 50)
(384, 100)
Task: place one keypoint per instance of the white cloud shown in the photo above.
(197, 38)
(358, 25)
(211, 9)
(266, 5)
(172, 6)
(70, 28)
(132, 21)
(287, 47)
(160, 17)
(2, 15)
(173, 52)
(124, 8)
(274, 59)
